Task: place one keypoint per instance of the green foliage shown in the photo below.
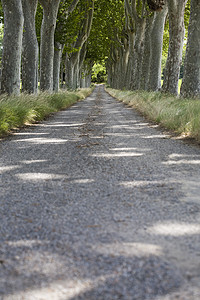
(15, 111)
(107, 26)
(67, 27)
(99, 72)
(38, 21)
(177, 114)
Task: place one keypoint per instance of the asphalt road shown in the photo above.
(97, 204)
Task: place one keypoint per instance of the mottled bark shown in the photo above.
(176, 38)
(138, 53)
(50, 11)
(73, 60)
(56, 66)
(80, 67)
(58, 49)
(12, 46)
(191, 79)
(154, 82)
(145, 71)
(70, 70)
(131, 39)
(30, 48)
(86, 75)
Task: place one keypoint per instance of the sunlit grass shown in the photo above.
(177, 114)
(16, 111)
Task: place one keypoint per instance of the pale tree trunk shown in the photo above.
(154, 82)
(191, 79)
(80, 66)
(87, 70)
(147, 53)
(50, 11)
(138, 54)
(123, 52)
(176, 11)
(12, 46)
(62, 74)
(58, 49)
(70, 66)
(124, 62)
(30, 48)
(73, 60)
(109, 71)
(114, 67)
(56, 66)
(131, 40)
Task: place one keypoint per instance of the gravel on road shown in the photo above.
(98, 204)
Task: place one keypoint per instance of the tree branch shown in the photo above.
(72, 6)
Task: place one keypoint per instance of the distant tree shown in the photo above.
(62, 31)
(75, 57)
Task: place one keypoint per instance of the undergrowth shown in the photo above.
(177, 114)
(16, 111)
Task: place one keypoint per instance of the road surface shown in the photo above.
(97, 204)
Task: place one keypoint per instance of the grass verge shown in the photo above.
(17, 111)
(182, 116)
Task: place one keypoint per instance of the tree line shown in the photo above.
(136, 63)
(67, 37)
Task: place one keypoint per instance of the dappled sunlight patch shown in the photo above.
(8, 168)
(120, 154)
(141, 183)
(34, 161)
(156, 136)
(128, 149)
(175, 229)
(182, 161)
(81, 180)
(42, 141)
(129, 249)
(176, 156)
(64, 125)
(177, 159)
(59, 289)
(23, 243)
(39, 176)
(31, 133)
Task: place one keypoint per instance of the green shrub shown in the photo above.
(16, 111)
(177, 114)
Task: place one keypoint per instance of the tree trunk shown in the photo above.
(30, 48)
(138, 54)
(131, 39)
(147, 53)
(56, 66)
(50, 11)
(12, 46)
(191, 79)
(72, 62)
(70, 70)
(176, 11)
(154, 82)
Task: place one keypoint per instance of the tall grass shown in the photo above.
(16, 111)
(177, 114)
